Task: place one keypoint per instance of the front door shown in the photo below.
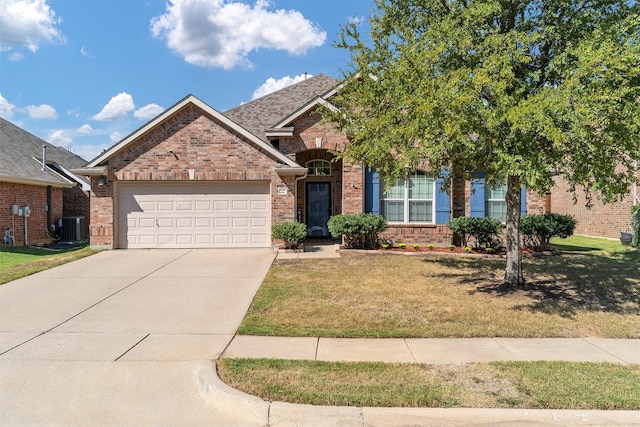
(318, 208)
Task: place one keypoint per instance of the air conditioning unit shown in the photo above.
(73, 228)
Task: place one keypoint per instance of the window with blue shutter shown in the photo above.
(477, 196)
(486, 201)
(443, 201)
(372, 191)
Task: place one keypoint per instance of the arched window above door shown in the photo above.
(319, 168)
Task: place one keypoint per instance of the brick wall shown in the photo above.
(36, 198)
(599, 220)
(75, 202)
(190, 140)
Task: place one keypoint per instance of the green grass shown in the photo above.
(590, 244)
(593, 290)
(553, 385)
(19, 261)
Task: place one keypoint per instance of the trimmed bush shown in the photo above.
(635, 226)
(485, 231)
(291, 233)
(537, 230)
(359, 230)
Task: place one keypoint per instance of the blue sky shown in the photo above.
(83, 74)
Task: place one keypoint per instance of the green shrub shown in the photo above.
(291, 233)
(402, 246)
(537, 230)
(462, 227)
(635, 226)
(359, 230)
(452, 247)
(485, 231)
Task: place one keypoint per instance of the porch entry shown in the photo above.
(318, 208)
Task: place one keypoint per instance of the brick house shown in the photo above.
(196, 177)
(37, 175)
(596, 219)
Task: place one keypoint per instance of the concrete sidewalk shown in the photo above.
(436, 350)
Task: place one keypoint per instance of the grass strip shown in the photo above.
(22, 261)
(554, 385)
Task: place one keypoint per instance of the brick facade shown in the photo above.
(189, 140)
(36, 198)
(599, 220)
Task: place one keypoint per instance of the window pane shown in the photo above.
(319, 167)
(395, 192)
(420, 187)
(420, 211)
(392, 210)
(496, 209)
(499, 193)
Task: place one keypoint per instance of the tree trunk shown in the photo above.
(513, 271)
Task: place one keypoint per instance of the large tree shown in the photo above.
(520, 90)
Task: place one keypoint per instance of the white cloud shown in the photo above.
(357, 20)
(84, 52)
(16, 56)
(43, 111)
(60, 138)
(221, 33)
(85, 129)
(115, 137)
(272, 85)
(117, 108)
(6, 108)
(148, 112)
(28, 23)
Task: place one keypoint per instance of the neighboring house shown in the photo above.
(196, 177)
(594, 218)
(44, 185)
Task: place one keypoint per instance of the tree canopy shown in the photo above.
(521, 90)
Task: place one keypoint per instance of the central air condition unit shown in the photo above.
(73, 228)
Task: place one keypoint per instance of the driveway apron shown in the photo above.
(119, 338)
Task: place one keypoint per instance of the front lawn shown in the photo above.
(592, 291)
(22, 261)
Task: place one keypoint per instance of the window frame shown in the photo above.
(313, 165)
(406, 200)
(488, 201)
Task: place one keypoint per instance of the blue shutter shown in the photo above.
(523, 202)
(477, 196)
(372, 191)
(443, 201)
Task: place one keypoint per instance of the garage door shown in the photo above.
(214, 215)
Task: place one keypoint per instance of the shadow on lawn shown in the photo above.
(563, 284)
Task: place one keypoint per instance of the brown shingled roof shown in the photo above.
(261, 114)
(21, 156)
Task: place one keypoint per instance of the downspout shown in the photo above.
(44, 158)
(635, 185)
(48, 207)
(295, 193)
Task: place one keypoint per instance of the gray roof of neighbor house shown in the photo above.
(21, 158)
(261, 114)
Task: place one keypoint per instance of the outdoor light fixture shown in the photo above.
(102, 181)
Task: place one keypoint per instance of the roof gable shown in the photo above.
(21, 158)
(190, 99)
(264, 113)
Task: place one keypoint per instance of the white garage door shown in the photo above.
(214, 215)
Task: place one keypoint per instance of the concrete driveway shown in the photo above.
(122, 337)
